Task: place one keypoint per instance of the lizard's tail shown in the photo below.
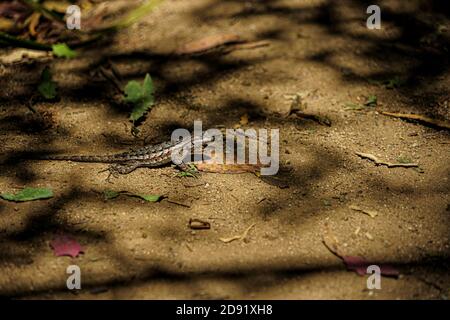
(104, 159)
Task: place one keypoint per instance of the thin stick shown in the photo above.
(22, 43)
(429, 121)
(388, 164)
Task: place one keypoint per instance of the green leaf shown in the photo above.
(394, 83)
(191, 171)
(148, 86)
(110, 194)
(28, 194)
(372, 101)
(63, 50)
(47, 87)
(133, 92)
(150, 197)
(140, 96)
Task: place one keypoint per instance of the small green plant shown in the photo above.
(389, 83)
(191, 171)
(111, 194)
(393, 83)
(62, 50)
(140, 96)
(47, 87)
(371, 101)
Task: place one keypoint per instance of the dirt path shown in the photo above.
(319, 50)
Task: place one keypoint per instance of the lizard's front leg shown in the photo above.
(123, 168)
(187, 169)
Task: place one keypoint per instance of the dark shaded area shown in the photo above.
(421, 57)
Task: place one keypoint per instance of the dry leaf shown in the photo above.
(360, 265)
(18, 55)
(65, 245)
(197, 224)
(34, 21)
(354, 263)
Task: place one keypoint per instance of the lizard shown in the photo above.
(154, 155)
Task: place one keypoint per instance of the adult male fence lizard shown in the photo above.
(148, 156)
(123, 163)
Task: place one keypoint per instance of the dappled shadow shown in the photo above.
(416, 54)
(410, 48)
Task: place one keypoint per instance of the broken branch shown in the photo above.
(388, 164)
(416, 117)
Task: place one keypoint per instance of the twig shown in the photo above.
(239, 237)
(388, 164)
(246, 46)
(426, 120)
(22, 43)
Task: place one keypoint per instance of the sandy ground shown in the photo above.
(318, 49)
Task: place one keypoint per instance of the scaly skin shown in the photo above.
(149, 156)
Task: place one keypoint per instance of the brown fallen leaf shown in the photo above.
(33, 22)
(208, 43)
(420, 118)
(197, 224)
(238, 237)
(22, 55)
(6, 24)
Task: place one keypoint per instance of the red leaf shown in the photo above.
(65, 245)
(359, 265)
(388, 270)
